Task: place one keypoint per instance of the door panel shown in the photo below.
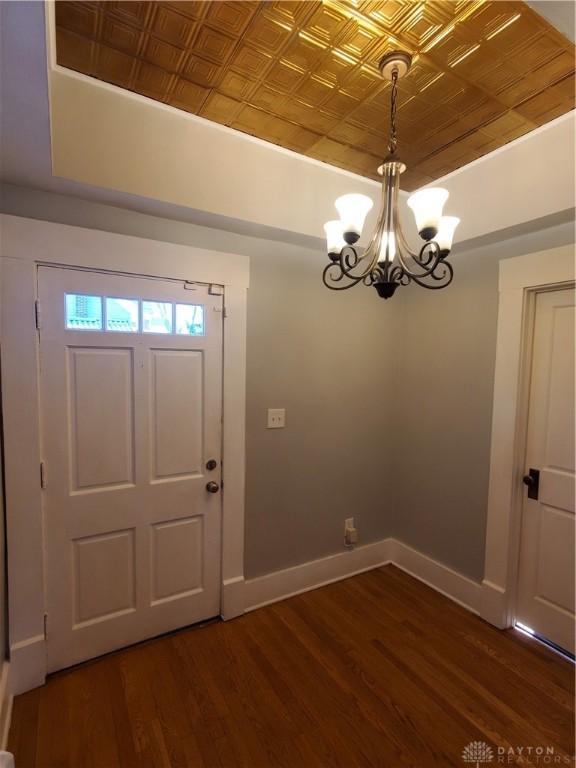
(101, 401)
(103, 576)
(176, 413)
(545, 599)
(176, 558)
(130, 372)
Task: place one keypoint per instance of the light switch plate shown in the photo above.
(276, 418)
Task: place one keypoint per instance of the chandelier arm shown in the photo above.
(329, 280)
(443, 279)
(427, 258)
(373, 249)
(427, 263)
(383, 225)
(398, 275)
(349, 260)
(342, 270)
(391, 206)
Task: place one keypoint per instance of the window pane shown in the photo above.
(122, 315)
(83, 313)
(190, 319)
(156, 317)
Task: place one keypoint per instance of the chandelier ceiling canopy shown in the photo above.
(388, 261)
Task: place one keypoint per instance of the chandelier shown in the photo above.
(388, 261)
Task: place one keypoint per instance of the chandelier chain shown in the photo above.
(393, 98)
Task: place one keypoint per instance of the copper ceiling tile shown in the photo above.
(172, 26)
(195, 9)
(307, 116)
(304, 74)
(131, 12)
(546, 106)
(509, 125)
(163, 54)
(75, 52)
(220, 108)
(152, 81)
(232, 17)
(114, 66)
(81, 18)
(119, 35)
(188, 96)
(237, 85)
(200, 71)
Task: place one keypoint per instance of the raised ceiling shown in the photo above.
(304, 75)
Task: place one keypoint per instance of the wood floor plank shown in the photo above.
(377, 671)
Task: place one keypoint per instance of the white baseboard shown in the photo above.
(27, 665)
(461, 589)
(316, 573)
(6, 699)
(28, 659)
(232, 598)
(302, 578)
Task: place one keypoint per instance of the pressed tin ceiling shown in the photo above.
(304, 75)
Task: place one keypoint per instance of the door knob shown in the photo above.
(212, 487)
(532, 480)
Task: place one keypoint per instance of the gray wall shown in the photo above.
(388, 403)
(3, 593)
(323, 356)
(443, 412)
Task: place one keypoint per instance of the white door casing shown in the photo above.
(521, 279)
(24, 244)
(128, 421)
(545, 595)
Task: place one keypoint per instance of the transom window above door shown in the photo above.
(126, 315)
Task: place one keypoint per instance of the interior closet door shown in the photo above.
(545, 599)
(131, 410)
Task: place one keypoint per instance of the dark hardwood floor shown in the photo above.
(377, 670)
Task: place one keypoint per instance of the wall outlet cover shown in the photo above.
(276, 418)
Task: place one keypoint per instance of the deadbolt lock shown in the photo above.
(211, 464)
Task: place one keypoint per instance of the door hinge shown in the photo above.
(37, 314)
(42, 475)
(45, 625)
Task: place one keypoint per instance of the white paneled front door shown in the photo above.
(131, 411)
(545, 601)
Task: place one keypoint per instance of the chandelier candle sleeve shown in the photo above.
(388, 260)
(427, 205)
(387, 239)
(334, 236)
(353, 210)
(446, 229)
